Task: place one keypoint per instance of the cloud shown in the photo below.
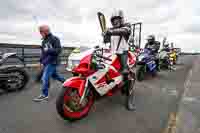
(193, 25)
(76, 21)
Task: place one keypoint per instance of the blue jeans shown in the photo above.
(49, 71)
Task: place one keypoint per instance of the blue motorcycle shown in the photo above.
(146, 64)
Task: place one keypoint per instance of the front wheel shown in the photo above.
(69, 107)
(18, 78)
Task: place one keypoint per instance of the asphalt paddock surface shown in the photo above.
(155, 99)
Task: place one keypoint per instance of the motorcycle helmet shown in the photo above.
(118, 14)
(151, 38)
(166, 45)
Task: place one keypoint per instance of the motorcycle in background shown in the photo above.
(146, 64)
(173, 56)
(12, 78)
(166, 60)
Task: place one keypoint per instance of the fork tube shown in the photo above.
(84, 92)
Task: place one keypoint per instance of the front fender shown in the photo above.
(77, 83)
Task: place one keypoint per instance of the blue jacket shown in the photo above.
(50, 50)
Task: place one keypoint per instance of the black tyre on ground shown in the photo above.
(73, 111)
(18, 81)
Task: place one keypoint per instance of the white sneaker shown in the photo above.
(41, 98)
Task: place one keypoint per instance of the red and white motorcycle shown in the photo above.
(99, 75)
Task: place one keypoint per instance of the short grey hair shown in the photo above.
(44, 28)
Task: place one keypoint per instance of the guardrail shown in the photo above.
(30, 54)
(183, 53)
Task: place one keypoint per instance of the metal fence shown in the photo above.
(30, 54)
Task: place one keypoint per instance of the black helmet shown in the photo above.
(166, 45)
(117, 14)
(151, 38)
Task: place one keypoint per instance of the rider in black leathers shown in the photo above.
(154, 46)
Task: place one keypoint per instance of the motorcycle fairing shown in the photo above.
(131, 59)
(75, 82)
(151, 65)
(98, 79)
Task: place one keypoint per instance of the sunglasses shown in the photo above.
(41, 31)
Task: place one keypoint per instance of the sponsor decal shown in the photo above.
(101, 85)
(94, 77)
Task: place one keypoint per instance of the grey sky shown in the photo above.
(75, 21)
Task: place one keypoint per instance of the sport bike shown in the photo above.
(146, 64)
(165, 60)
(99, 75)
(173, 56)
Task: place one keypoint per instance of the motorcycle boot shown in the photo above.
(130, 97)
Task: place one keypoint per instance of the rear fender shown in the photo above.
(77, 83)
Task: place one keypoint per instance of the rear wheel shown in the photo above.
(154, 73)
(164, 64)
(69, 107)
(140, 73)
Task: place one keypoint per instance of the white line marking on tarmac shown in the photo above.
(172, 92)
(174, 116)
(187, 100)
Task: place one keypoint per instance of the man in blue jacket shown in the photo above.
(50, 49)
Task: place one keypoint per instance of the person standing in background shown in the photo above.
(50, 49)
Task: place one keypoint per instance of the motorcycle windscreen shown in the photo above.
(151, 65)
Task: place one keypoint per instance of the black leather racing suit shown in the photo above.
(154, 47)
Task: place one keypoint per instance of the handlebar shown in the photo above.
(97, 49)
(106, 58)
